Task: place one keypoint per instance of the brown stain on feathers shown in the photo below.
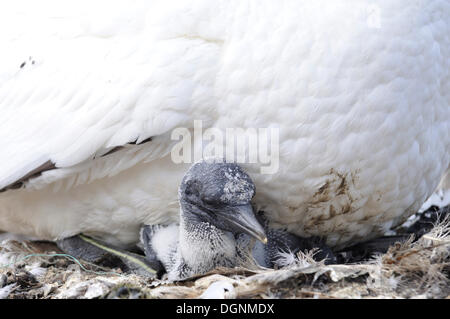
(328, 189)
(337, 185)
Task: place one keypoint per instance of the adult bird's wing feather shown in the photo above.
(82, 80)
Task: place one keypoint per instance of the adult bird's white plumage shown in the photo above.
(360, 91)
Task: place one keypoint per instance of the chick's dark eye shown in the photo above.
(210, 200)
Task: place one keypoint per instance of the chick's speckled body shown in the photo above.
(360, 92)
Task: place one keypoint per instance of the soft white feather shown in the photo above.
(360, 92)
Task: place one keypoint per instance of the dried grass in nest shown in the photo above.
(410, 269)
(420, 265)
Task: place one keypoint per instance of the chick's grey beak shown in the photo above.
(243, 218)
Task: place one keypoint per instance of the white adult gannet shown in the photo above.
(91, 91)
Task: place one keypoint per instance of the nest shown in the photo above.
(418, 267)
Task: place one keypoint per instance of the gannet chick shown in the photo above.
(215, 208)
(217, 228)
(280, 250)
